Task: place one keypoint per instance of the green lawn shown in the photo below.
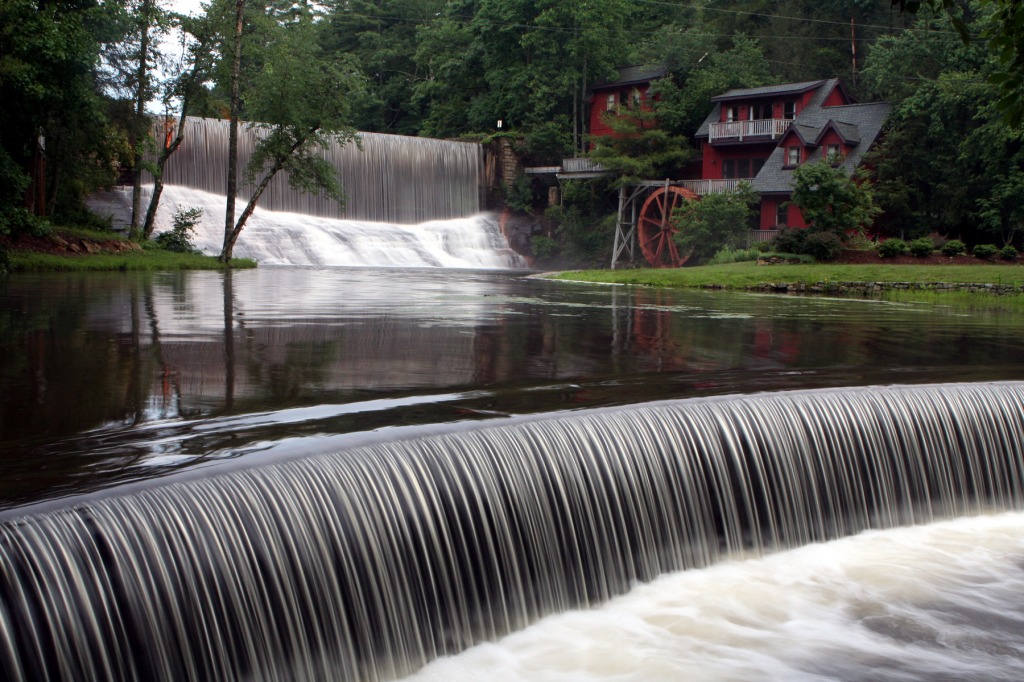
(749, 274)
(37, 255)
(150, 259)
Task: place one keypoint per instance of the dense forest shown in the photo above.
(80, 80)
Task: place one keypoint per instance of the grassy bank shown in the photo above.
(137, 260)
(69, 249)
(749, 274)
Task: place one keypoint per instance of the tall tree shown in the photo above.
(185, 92)
(235, 77)
(301, 97)
(56, 142)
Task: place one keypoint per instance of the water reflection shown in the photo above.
(105, 376)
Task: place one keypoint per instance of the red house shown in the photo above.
(629, 90)
(762, 134)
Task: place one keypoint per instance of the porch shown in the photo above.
(739, 131)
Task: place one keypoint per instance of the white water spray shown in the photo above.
(279, 238)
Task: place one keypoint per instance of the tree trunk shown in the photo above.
(140, 113)
(232, 185)
(232, 237)
(158, 180)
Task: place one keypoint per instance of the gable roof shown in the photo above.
(858, 124)
(822, 88)
(632, 75)
(767, 90)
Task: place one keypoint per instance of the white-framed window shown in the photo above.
(789, 110)
(731, 114)
(782, 213)
(609, 104)
(833, 153)
(793, 156)
(635, 98)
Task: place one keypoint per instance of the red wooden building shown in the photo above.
(631, 89)
(763, 134)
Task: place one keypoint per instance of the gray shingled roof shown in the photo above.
(784, 89)
(859, 125)
(631, 75)
(865, 119)
(824, 87)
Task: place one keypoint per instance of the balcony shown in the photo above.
(759, 130)
(703, 187)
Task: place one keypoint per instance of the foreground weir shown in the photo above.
(367, 563)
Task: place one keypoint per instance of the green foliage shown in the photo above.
(731, 255)
(50, 83)
(985, 251)
(832, 202)
(519, 196)
(823, 246)
(790, 240)
(544, 247)
(714, 222)
(891, 248)
(954, 247)
(179, 238)
(639, 148)
(1001, 27)
(682, 103)
(1008, 253)
(921, 247)
(585, 221)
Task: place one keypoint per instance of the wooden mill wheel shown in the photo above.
(655, 230)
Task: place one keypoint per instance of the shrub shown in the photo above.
(763, 247)
(714, 223)
(179, 237)
(543, 246)
(954, 247)
(921, 247)
(860, 242)
(892, 247)
(728, 255)
(823, 245)
(985, 251)
(1008, 253)
(790, 241)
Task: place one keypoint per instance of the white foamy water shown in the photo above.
(935, 602)
(280, 238)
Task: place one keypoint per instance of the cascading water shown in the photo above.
(278, 238)
(386, 178)
(368, 563)
(411, 202)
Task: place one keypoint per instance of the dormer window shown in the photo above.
(793, 156)
(833, 154)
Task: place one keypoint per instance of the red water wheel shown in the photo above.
(655, 229)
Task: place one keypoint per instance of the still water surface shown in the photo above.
(108, 378)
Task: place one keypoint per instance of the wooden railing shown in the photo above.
(580, 165)
(758, 236)
(738, 130)
(702, 187)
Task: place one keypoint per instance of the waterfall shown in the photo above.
(412, 202)
(279, 238)
(386, 178)
(368, 563)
